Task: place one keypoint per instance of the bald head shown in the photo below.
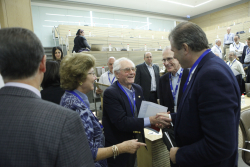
(148, 58)
(110, 63)
(228, 30)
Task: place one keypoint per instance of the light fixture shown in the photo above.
(191, 6)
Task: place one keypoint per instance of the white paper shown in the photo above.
(149, 109)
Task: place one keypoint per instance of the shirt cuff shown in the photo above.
(147, 122)
(169, 116)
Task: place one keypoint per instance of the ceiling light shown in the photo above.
(191, 6)
(55, 14)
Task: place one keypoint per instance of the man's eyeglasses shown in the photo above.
(169, 59)
(127, 70)
(92, 73)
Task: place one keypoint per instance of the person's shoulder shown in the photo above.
(104, 74)
(137, 87)
(165, 76)
(140, 65)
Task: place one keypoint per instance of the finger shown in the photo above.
(142, 144)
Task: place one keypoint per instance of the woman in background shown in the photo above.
(80, 42)
(77, 78)
(51, 83)
(57, 54)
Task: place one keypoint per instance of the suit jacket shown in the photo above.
(143, 78)
(80, 42)
(166, 96)
(35, 132)
(118, 120)
(244, 54)
(207, 122)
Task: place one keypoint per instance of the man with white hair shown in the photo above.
(107, 78)
(228, 40)
(121, 106)
(216, 48)
(237, 46)
(235, 64)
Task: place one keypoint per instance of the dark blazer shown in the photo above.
(143, 78)
(118, 120)
(80, 42)
(35, 132)
(244, 54)
(166, 97)
(52, 94)
(207, 121)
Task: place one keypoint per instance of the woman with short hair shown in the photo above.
(77, 78)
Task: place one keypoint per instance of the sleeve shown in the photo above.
(243, 55)
(218, 120)
(213, 50)
(138, 76)
(112, 105)
(86, 43)
(231, 48)
(73, 148)
(240, 68)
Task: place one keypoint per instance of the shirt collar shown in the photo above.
(128, 90)
(231, 61)
(148, 65)
(25, 86)
(83, 96)
(178, 72)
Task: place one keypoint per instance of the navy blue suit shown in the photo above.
(118, 120)
(244, 54)
(207, 121)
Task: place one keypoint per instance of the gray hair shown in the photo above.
(234, 53)
(237, 35)
(110, 58)
(217, 40)
(166, 48)
(189, 33)
(228, 28)
(117, 64)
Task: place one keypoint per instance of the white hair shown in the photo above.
(234, 53)
(110, 58)
(217, 40)
(166, 48)
(228, 28)
(117, 64)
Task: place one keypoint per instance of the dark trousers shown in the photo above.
(153, 97)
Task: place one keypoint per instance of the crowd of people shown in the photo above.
(55, 127)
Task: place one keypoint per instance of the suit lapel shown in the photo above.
(146, 69)
(168, 90)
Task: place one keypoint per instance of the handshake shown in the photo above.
(161, 120)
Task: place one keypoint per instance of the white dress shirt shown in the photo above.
(217, 49)
(239, 47)
(25, 86)
(107, 78)
(174, 83)
(1, 82)
(247, 57)
(228, 39)
(152, 73)
(235, 64)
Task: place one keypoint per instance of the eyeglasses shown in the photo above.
(169, 59)
(92, 73)
(127, 70)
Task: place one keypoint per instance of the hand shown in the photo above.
(157, 120)
(173, 152)
(130, 146)
(98, 91)
(163, 116)
(236, 50)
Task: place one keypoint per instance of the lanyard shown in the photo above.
(232, 63)
(112, 80)
(193, 67)
(228, 36)
(218, 48)
(75, 94)
(236, 46)
(177, 85)
(131, 108)
(248, 50)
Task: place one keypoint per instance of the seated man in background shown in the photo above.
(34, 132)
(121, 106)
(216, 48)
(235, 64)
(237, 46)
(107, 78)
(147, 76)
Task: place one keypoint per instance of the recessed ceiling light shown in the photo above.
(191, 6)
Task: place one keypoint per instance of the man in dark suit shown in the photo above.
(171, 83)
(245, 58)
(34, 132)
(121, 105)
(207, 121)
(147, 76)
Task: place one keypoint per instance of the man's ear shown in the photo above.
(186, 48)
(42, 66)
